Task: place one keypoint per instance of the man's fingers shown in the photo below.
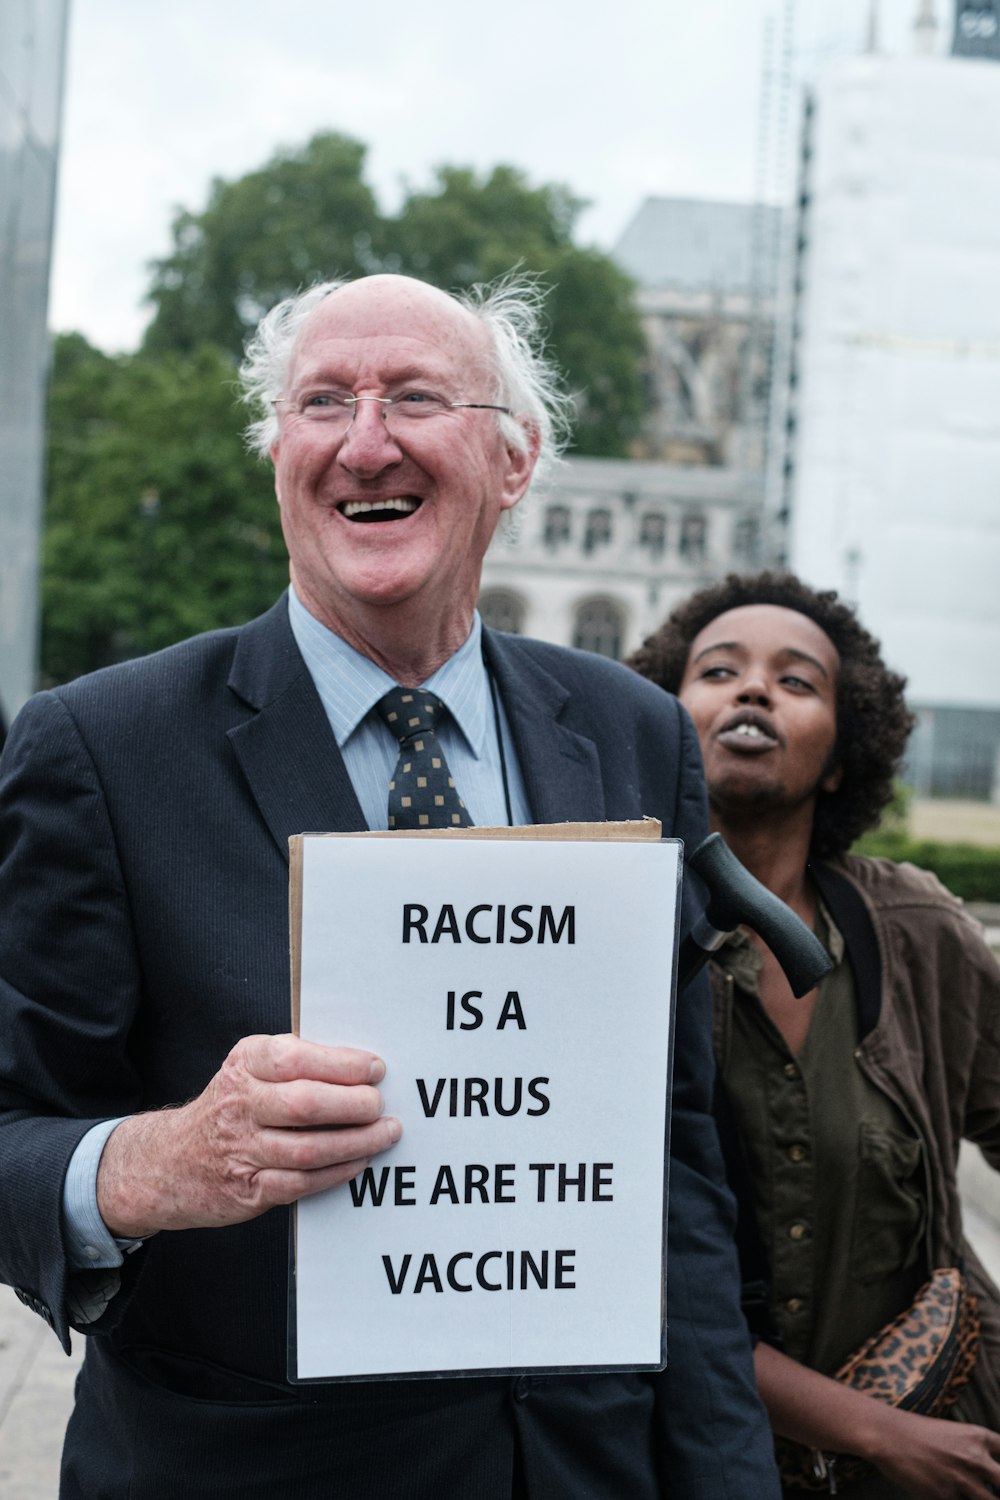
(314, 1151)
(306, 1105)
(283, 1187)
(282, 1059)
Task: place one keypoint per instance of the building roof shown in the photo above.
(696, 245)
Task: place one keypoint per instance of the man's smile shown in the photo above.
(388, 509)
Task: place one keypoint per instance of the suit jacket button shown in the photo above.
(522, 1386)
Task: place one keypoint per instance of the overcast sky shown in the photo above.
(619, 99)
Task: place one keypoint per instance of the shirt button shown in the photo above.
(796, 1153)
(794, 1304)
(91, 1252)
(797, 1231)
(791, 1071)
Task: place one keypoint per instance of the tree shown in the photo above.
(473, 229)
(308, 215)
(304, 217)
(159, 523)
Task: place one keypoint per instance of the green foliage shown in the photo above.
(968, 870)
(471, 229)
(159, 524)
(304, 217)
(308, 215)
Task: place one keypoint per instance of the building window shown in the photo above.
(598, 532)
(653, 534)
(600, 627)
(746, 539)
(502, 610)
(556, 525)
(694, 538)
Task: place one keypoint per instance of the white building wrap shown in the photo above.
(895, 493)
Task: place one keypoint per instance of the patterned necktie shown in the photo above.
(422, 793)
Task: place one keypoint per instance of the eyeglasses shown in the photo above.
(409, 407)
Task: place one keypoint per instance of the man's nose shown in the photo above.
(368, 445)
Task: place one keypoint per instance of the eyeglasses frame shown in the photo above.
(385, 401)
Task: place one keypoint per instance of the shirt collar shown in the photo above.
(350, 685)
(741, 957)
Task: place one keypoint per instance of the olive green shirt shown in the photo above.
(838, 1173)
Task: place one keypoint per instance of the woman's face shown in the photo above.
(761, 686)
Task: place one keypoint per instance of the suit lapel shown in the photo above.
(296, 774)
(560, 767)
(286, 749)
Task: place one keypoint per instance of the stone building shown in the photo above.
(705, 275)
(600, 559)
(606, 554)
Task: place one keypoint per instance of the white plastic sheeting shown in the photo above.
(896, 498)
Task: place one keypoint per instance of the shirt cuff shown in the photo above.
(89, 1243)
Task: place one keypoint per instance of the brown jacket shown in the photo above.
(928, 992)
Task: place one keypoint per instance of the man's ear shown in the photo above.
(520, 467)
(273, 455)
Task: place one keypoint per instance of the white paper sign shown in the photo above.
(521, 995)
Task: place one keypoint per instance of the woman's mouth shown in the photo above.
(748, 737)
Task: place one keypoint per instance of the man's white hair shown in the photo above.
(523, 377)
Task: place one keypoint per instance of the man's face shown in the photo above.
(760, 684)
(446, 479)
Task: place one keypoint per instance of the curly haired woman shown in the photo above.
(848, 1105)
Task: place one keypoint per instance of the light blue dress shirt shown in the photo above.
(475, 736)
(479, 748)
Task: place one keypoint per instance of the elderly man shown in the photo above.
(144, 942)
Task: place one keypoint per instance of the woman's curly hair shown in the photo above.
(873, 722)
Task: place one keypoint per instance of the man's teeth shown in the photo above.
(401, 503)
(750, 730)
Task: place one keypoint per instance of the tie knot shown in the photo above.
(410, 712)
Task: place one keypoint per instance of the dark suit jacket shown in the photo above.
(144, 818)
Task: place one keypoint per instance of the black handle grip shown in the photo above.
(736, 898)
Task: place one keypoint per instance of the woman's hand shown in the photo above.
(930, 1458)
(935, 1459)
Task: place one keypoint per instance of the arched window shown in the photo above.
(600, 627)
(502, 610)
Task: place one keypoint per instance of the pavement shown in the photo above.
(36, 1378)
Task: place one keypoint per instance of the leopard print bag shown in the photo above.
(920, 1362)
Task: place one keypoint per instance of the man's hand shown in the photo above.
(282, 1118)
